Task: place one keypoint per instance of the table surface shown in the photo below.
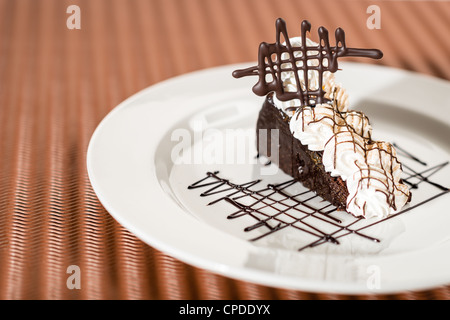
(57, 84)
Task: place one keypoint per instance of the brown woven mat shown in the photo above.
(58, 83)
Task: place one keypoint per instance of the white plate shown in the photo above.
(132, 163)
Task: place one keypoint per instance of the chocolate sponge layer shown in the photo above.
(295, 159)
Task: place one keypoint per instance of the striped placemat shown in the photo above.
(57, 83)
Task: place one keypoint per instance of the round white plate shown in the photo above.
(149, 149)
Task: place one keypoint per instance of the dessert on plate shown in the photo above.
(323, 143)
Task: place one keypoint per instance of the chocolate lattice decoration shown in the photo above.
(272, 61)
(274, 207)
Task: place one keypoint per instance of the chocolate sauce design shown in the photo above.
(296, 210)
(276, 58)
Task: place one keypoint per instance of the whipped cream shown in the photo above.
(314, 126)
(370, 168)
(343, 154)
(371, 189)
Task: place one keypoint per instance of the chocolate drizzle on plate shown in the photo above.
(277, 58)
(274, 207)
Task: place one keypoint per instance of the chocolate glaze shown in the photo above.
(270, 61)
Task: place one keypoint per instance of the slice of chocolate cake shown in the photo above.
(296, 159)
(323, 144)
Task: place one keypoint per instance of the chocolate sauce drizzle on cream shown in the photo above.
(296, 210)
(361, 142)
(272, 61)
